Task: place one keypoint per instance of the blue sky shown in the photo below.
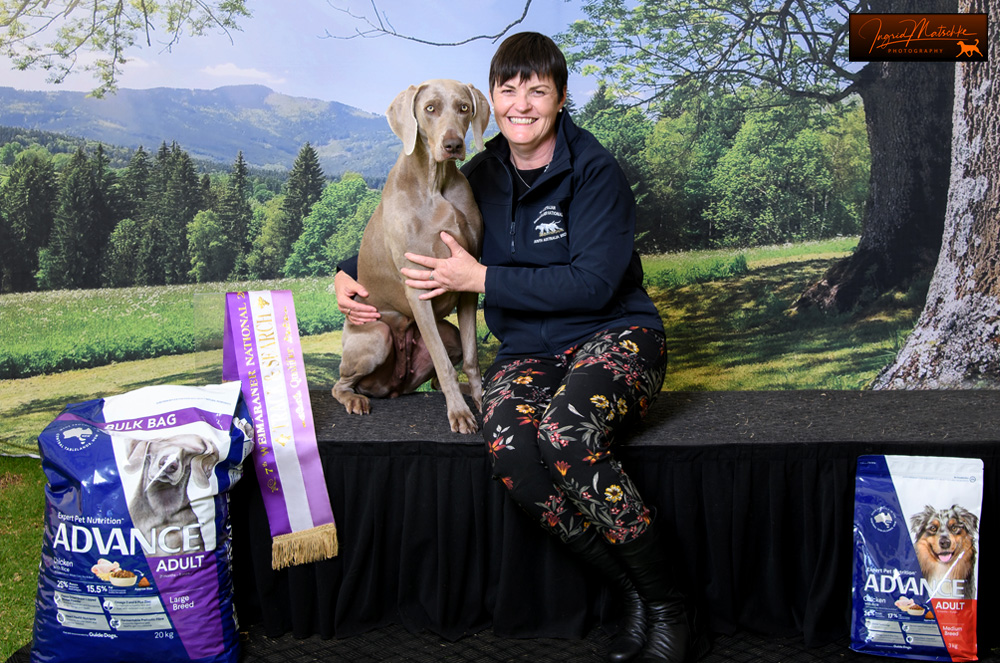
(285, 46)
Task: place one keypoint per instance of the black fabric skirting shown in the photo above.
(754, 491)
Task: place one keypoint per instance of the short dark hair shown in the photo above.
(527, 53)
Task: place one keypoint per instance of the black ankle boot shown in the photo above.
(631, 635)
(672, 635)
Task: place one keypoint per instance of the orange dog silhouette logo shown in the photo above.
(968, 49)
(918, 37)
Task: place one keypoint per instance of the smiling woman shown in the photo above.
(527, 102)
(582, 350)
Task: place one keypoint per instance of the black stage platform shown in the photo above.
(756, 490)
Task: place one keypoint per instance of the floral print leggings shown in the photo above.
(549, 424)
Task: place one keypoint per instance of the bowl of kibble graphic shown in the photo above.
(123, 578)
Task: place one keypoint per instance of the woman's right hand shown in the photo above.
(356, 312)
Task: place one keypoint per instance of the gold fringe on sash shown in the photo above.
(310, 545)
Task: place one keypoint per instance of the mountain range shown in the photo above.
(215, 125)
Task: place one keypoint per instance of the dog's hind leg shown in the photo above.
(366, 348)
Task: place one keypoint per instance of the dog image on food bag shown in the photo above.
(160, 504)
(945, 542)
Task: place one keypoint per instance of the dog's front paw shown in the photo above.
(463, 422)
(352, 402)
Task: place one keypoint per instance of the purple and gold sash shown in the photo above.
(261, 349)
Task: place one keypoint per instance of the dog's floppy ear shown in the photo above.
(480, 115)
(202, 467)
(402, 117)
(967, 518)
(135, 454)
(918, 521)
(203, 463)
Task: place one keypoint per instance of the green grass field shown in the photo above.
(730, 325)
(50, 332)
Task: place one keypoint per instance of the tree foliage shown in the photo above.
(341, 213)
(155, 220)
(27, 203)
(120, 256)
(55, 34)
(235, 215)
(717, 174)
(304, 189)
(777, 182)
(649, 50)
(65, 262)
(274, 240)
(659, 55)
(210, 253)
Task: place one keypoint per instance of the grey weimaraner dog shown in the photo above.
(424, 194)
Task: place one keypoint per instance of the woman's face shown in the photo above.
(526, 111)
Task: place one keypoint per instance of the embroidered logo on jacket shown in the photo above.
(549, 224)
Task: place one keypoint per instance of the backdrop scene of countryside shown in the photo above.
(802, 218)
(125, 214)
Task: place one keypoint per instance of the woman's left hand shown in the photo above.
(462, 272)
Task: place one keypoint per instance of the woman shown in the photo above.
(582, 352)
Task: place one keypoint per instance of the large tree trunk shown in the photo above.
(908, 114)
(956, 343)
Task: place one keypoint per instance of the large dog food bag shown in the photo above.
(916, 557)
(136, 553)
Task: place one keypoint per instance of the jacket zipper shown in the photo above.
(513, 208)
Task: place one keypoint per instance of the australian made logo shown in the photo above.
(883, 520)
(76, 437)
(918, 37)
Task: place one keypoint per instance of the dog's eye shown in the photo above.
(464, 108)
(932, 529)
(430, 108)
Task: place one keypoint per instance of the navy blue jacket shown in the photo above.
(560, 260)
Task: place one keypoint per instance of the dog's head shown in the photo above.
(172, 460)
(941, 534)
(439, 111)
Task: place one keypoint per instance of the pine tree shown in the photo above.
(183, 200)
(158, 176)
(107, 205)
(27, 200)
(235, 213)
(305, 186)
(66, 262)
(174, 197)
(135, 183)
(284, 226)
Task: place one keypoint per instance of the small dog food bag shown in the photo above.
(136, 552)
(916, 557)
